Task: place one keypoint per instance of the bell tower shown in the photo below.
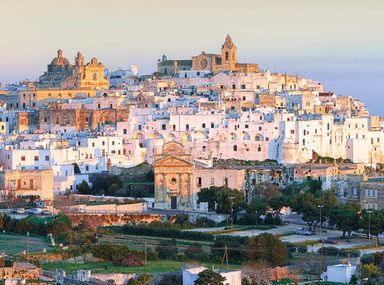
(228, 54)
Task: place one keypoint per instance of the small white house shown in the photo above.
(232, 277)
(340, 273)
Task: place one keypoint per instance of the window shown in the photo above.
(259, 148)
(246, 126)
(103, 143)
(244, 98)
(204, 148)
(94, 76)
(212, 125)
(233, 86)
(163, 127)
(242, 86)
(187, 127)
(212, 181)
(47, 158)
(198, 181)
(124, 131)
(113, 142)
(292, 132)
(23, 158)
(235, 148)
(226, 55)
(203, 125)
(36, 158)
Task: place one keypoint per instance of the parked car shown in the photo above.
(46, 212)
(304, 232)
(330, 240)
(20, 211)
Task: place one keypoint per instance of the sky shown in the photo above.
(337, 42)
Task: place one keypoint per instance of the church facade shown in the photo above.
(61, 74)
(57, 71)
(210, 62)
(226, 61)
(174, 178)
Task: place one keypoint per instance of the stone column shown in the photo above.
(163, 186)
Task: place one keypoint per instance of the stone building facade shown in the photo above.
(174, 178)
(57, 71)
(27, 182)
(226, 61)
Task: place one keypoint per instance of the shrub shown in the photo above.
(130, 260)
(334, 251)
(110, 252)
(204, 222)
(194, 251)
(167, 249)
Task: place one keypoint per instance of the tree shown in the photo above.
(266, 191)
(345, 217)
(372, 221)
(84, 188)
(225, 198)
(254, 210)
(368, 270)
(266, 247)
(307, 205)
(105, 184)
(209, 277)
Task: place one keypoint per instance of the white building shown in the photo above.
(340, 273)
(232, 277)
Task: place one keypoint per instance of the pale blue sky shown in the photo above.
(339, 42)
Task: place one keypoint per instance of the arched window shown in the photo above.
(226, 55)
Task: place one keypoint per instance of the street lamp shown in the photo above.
(369, 226)
(320, 207)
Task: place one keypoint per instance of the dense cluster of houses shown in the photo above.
(185, 119)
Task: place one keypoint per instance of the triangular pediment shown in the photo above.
(172, 161)
(173, 148)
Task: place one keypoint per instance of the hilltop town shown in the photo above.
(207, 168)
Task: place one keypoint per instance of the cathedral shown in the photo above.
(226, 61)
(57, 71)
(61, 74)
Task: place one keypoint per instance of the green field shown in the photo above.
(12, 244)
(107, 267)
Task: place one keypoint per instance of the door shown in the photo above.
(173, 202)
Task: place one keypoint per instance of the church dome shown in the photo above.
(60, 60)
